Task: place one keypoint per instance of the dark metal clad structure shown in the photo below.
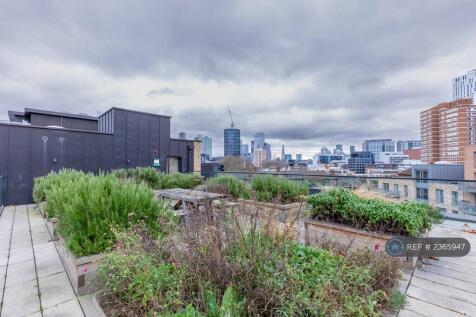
(121, 139)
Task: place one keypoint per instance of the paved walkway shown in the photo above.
(447, 286)
(33, 281)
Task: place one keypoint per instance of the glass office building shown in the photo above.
(232, 142)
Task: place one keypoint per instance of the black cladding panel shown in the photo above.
(132, 138)
(119, 137)
(144, 146)
(18, 180)
(91, 152)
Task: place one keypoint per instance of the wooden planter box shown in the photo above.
(81, 270)
(345, 238)
(279, 217)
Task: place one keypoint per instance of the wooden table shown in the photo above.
(188, 199)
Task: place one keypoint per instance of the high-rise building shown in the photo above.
(259, 157)
(325, 150)
(232, 142)
(245, 149)
(359, 161)
(206, 146)
(408, 145)
(378, 146)
(464, 86)
(259, 141)
(182, 136)
(288, 157)
(252, 146)
(446, 129)
(282, 153)
(352, 149)
(298, 157)
(267, 148)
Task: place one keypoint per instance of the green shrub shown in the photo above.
(138, 281)
(156, 180)
(42, 184)
(277, 189)
(254, 275)
(228, 185)
(342, 206)
(90, 206)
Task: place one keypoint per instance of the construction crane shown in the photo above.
(231, 118)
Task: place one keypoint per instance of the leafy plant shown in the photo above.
(156, 180)
(228, 185)
(277, 189)
(342, 206)
(88, 207)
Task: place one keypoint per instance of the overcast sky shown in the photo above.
(307, 73)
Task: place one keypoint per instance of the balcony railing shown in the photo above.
(375, 184)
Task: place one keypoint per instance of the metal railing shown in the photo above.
(384, 187)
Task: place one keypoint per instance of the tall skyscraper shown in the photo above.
(252, 146)
(182, 136)
(464, 86)
(378, 146)
(267, 148)
(352, 149)
(206, 145)
(282, 153)
(231, 142)
(245, 149)
(446, 129)
(298, 157)
(259, 141)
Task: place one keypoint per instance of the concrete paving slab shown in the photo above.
(48, 265)
(41, 237)
(425, 309)
(20, 272)
(21, 255)
(70, 308)
(21, 300)
(4, 257)
(55, 289)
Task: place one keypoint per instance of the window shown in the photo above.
(422, 193)
(454, 199)
(439, 196)
(386, 187)
(405, 191)
(395, 189)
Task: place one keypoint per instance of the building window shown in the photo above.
(405, 191)
(386, 187)
(454, 199)
(396, 190)
(422, 193)
(439, 196)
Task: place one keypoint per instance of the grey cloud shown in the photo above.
(348, 51)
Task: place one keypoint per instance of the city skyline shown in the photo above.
(304, 86)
